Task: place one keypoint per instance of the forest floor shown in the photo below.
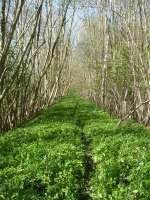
(75, 151)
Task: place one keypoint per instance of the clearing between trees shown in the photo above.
(74, 151)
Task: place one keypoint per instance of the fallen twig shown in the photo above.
(132, 111)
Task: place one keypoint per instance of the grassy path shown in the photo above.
(73, 151)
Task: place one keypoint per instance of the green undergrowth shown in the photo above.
(122, 159)
(43, 159)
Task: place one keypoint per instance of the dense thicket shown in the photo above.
(111, 63)
(114, 57)
(34, 56)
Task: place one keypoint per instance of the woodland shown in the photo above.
(74, 99)
(43, 56)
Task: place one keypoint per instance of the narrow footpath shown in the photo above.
(84, 189)
(88, 168)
